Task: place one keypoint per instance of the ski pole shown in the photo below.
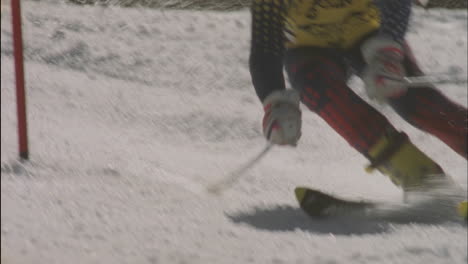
(429, 79)
(436, 79)
(231, 178)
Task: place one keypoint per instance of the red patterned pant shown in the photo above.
(321, 77)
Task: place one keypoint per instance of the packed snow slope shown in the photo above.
(132, 112)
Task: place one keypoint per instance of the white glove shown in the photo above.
(384, 58)
(282, 120)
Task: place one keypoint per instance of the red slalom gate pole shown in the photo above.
(19, 74)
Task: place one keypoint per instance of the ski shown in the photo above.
(318, 204)
(463, 209)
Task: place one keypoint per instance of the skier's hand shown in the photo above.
(383, 76)
(282, 120)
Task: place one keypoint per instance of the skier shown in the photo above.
(321, 44)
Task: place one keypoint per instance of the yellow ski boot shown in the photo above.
(408, 167)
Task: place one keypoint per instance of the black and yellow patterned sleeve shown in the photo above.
(267, 46)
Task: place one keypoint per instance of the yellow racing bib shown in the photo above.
(329, 23)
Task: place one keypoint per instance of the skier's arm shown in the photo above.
(384, 53)
(395, 15)
(282, 119)
(267, 47)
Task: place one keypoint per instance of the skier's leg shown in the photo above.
(319, 76)
(429, 110)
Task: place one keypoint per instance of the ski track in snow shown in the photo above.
(132, 112)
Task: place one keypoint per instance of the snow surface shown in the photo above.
(132, 112)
